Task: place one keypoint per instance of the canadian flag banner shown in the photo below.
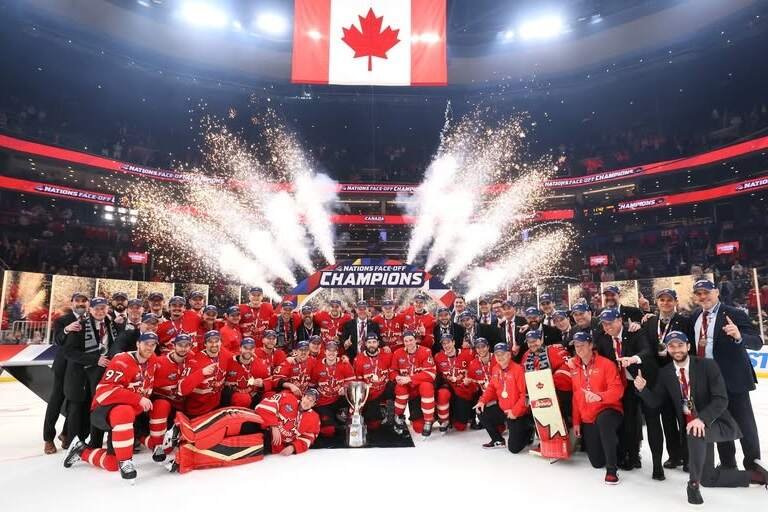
(369, 42)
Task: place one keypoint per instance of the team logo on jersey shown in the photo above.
(366, 366)
(288, 408)
(173, 376)
(323, 373)
(401, 360)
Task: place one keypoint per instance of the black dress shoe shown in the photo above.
(658, 474)
(636, 464)
(672, 463)
(685, 467)
(694, 494)
(626, 465)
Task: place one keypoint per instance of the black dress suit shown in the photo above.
(635, 344)
(739, 377)
(673, 429)
(502, 334)
(552, 335)
(710, 404)
(303, 334)
(349, 332)
(493, 321)
(456, 331)
(126, 340)
(56, 398)
(82, 376)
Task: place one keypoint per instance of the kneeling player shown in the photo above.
(372, 367)
(290, 425)
(121, 395)
(247, 377)
(456, 391)
(552, 357)
(330, 375)
(413, 370)
(166, 395)
(507, 389)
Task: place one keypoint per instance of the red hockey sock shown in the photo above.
(401, 398)
(158, 421)
(418, 425)
(427, 393)
(100, 458)
(459, 426)
(121, 419)
(443, 404)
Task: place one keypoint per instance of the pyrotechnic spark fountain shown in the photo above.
(479, 191)
(235, 213)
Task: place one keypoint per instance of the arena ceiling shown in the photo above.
(598, 32)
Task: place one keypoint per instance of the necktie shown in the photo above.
(617, 346)
(685, 390)
(102, 332)
(361, 336)
(510, 333)
(701, 350)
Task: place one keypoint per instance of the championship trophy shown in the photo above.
(356, 394)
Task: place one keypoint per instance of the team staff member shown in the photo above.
(698, 391)
(724, 333)
(445, 326)
(656, 327)
(355, 332)
(509, 329)
(597, 409)
(611, 300)
(507, 389)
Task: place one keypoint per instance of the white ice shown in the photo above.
(446, 472)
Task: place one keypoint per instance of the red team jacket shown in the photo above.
(125, 381)
(298, 428)
(419, 366)
(379, 365)
(413, 321)
(330, 327)
(601, 376)
(456, 368)
(167, 377)
(509, 382)
(204, 393)
(330, 379)
(558, 358)
(239, 373)
(391, 331)
(255, 320)
(481, 372)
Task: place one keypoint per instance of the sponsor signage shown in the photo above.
(371, 276)
(138, 258)
(598, 260)
(727, 248)
(47, 189)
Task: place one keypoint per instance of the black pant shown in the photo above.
(601, 438)
(372, 408)
(673, 432)
(520, 429)
(328, 412)
(740, 407)
(702, 466)
(565, 400)
(79, 412)
(56, 399)
(632, 430)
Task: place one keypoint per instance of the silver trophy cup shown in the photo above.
(356, 394)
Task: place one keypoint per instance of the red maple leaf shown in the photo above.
(371, 42)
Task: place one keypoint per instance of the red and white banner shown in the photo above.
(727, 248)
(598, 260)
(138, 258)
(369, 42)
(50, 190)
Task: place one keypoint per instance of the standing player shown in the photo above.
(193, 315)
(247, 377)
(230, 331)
(390, 326)
(372, 367)
(209, 322)
(121, 395)
(413, 370)
(168, 329)
(456, 390)
(156, 301)
(205, 380)
(332, 321)
(330, 376)
(420, 322)
(166, 394)
(255, 316)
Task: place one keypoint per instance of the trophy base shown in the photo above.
(356, 436)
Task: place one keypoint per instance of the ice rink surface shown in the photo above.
(446, 472)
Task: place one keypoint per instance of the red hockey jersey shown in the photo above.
(298, 428)
(204, 392)
(272, 360)
(453, 371)
(480, 372)
(507, 387)
(167, 377)
(294, 372)
(255, 320)
(230, 338)
(419, 366)
(374, 371)
(330, 379)
(330, 327)
(190, 321)
(391, 331)
(166, 333)
(203, 328)
(239, 375)
(422, 324)
(125, 381)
